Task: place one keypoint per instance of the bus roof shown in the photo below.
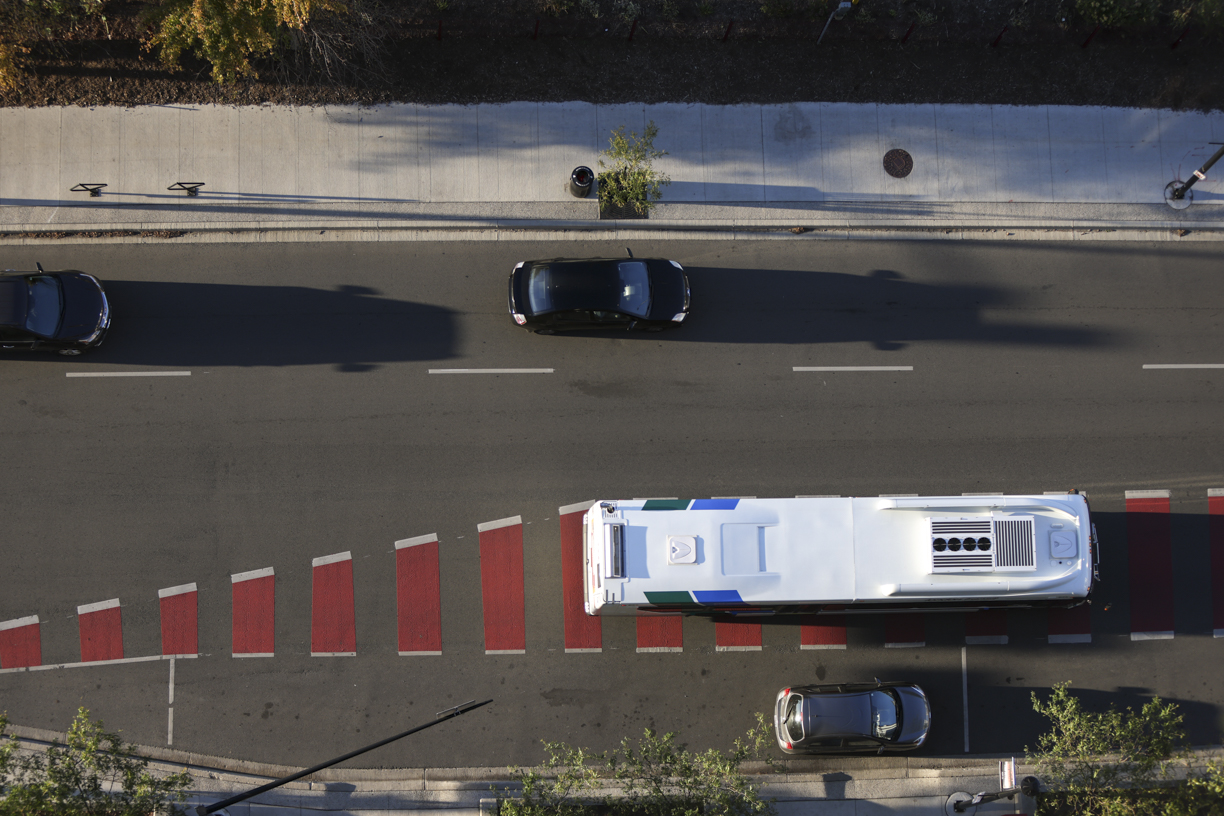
(843, 550)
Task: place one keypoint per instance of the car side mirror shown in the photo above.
(632, 324)
(881, 751)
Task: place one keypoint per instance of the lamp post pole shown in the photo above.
(1176, 190)
(449, 714)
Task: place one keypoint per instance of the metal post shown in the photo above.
(1179, 192)
(1029, 786)
(449, 714)
(842, 9)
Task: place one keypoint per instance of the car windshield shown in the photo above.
(794, 718)
(44, 305)
(538, 296)
(885, 714)
(634, 288)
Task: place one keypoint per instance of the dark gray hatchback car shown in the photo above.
(65, 312)
(593, 294)
(851, 718)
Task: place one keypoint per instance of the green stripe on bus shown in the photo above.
(669, 598)
(666, 504)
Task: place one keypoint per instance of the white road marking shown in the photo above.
(490, 371)
(128, 374)
(170, 714)
(852, 368)
(1185, 365)
(324, 560)
(486, 526)
(90, 663)
(965, 691)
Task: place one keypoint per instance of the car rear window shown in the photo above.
(794, 718)
(634, 288)
(885, 714)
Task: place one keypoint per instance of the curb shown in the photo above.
(282, 232)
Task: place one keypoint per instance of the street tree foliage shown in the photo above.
(1120, 763)
(24, 22)
(94, 774)
(629, 178)
(230, 33)
(655, 777)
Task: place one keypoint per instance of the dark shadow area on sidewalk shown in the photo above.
(201, 324)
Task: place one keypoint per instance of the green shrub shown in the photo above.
(630, 179)
(1112, 13)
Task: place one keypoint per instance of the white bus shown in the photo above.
(837, 555)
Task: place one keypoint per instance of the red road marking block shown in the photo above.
(1070, 625)
(660, 633)
(737, 636)
(501, 585)
(583, 632)
(418, 596)
(333, 625)
(823, 632)
(101, 631)
(986, 627)
(254, 611)
(903, 630)
(1149, 555)
(1215, 507)
(180, 632)
(20, 644)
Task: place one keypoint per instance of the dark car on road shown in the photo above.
(66, 312)
(647, 294)
(851, 718)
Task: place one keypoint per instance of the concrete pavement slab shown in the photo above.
(391, 147)
(850, 151)
(210, 148)
(567, 139)
(911, 128)
(732, 153)
(508, 158)
(966, 161)
(793, 170)
(680, 135)
(1022, 153)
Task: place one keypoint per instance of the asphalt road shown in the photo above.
(310, 425)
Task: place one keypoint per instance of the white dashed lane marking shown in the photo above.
(128, 374)
(852, 368)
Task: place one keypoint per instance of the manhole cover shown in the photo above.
(898, 163)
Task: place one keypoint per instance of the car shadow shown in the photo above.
(883, 307)
(354, 328)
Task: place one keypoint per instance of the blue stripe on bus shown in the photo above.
(718, 596)
(714, 504)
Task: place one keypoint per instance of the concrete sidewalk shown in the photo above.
(380, 172)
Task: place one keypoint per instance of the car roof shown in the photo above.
(592, 283)
(837, 715)
(13, 297)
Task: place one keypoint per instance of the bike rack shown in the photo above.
(192, 188)
(94, 190)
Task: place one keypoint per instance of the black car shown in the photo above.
(851, 718)
(66, 312)
(648, 294)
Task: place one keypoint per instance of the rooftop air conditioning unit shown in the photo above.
(983, 544)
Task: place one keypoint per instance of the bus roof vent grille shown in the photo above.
(982, 544)
(1017, 544)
